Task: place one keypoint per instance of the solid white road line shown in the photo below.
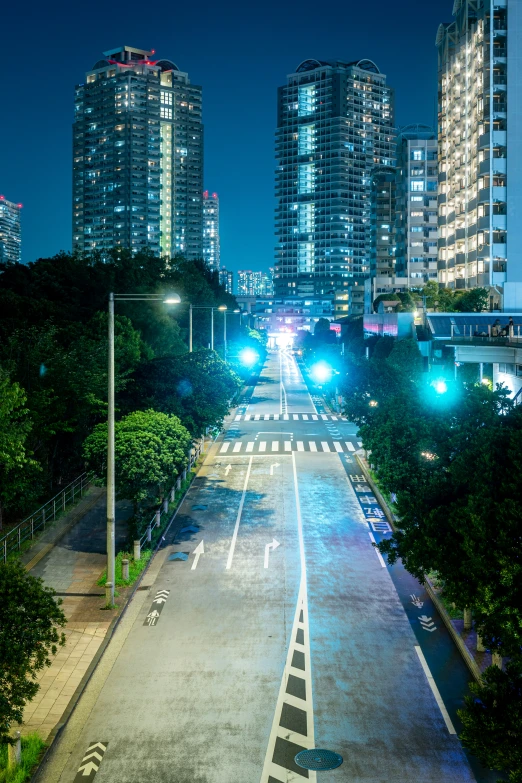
(435, 690)
(377, 551)
(238, 518)
(338, 446)
(275, 445)
(349, 445)
(237, 446)
(224, 448)
(288, 445)
(250, 446)
(325, 446)
(300, 446)
(262, 445)
(311, 444)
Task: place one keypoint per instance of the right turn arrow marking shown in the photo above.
(269, 547)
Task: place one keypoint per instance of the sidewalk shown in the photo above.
(71, 559)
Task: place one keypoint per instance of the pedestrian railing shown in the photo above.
(44, 516)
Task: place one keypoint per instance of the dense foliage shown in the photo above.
(53, 359)
(445, 300)
(29, 616)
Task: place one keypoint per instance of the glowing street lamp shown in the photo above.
(248, 357)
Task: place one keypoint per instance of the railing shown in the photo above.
(505, 334)
(46, 514)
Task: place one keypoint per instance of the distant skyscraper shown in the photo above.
(138, 157)
(480, 151)
(335, 124)
(10, 231)
(255, 283)
(211, 249)
(226, 278)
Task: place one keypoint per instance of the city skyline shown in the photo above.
(230, 166)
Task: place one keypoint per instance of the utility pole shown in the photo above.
(111, 488)
(190, 328)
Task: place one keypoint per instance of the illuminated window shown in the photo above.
(417, 184)
(165, 113)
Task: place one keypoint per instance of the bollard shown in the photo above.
(496, 660)
(14, 751)
(480, 645)
(149, 533)
(137, 550)
(108, 591)
(184, 475)
(158, 517)
(165, 505)
(467, 619)
(178, 482)
(172, 495)
(125, 570)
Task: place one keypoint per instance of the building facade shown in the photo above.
(282, 318)
(255, 283)
(480, 156)
(10, 231)
(211, 247)
(226, 279)
(137, 157)
(383, 209)
(335, 124)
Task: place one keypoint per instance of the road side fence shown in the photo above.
(162, 513)
(45, 515)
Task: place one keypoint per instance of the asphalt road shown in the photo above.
(279, 627)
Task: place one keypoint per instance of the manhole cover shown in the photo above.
(318, 759)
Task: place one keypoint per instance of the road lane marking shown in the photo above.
(288, 445)
(300, 446)
(91, 761)
(324, 417)
(275, 445)
(156, 608)
(237, 446)
(262, 445)
(199, 550)
(325, 446)
(435, 691)
(349, 445)
(333, 418)
(337, 446)
(238, 418)
(224, 448)
(359, 443)
(305, 417)
(238, 518)
(250, 446)
(383, 564)
(286, 416)
(269, 547)
(312, 445)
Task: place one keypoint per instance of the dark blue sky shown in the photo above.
(240, 52)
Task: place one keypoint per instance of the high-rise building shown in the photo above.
(255, 283)
(138, 157)
(416, 205)
(226, 279)
(335, 124)
(211, 249)
(480, 155)
(10, 231)
(383, 206)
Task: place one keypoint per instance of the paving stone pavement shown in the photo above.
(72, 567)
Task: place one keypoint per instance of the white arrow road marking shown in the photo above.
(199, 550)
(435, 691)
(427, 623)
(269, 547)
(228, 469)
(160, 598)
(97, 745)
(87, 769)
(416, 601)
(90, 755)
(275, 465)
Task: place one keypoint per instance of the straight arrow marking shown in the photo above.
(199, 550)
(90, 755)
(275, 465)
(269, 547)
(228, 469)
(86, 769)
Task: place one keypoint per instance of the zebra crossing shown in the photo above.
(289, 417)
(287, 446)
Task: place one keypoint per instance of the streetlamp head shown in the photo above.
(237, 311)
(172, 299)
(222, 307)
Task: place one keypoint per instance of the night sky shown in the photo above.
(240, 52)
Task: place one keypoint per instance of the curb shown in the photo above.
(60, 725)
(446, 619)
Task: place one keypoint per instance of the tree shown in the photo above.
(29, 616)
(322, 330)
(16, 464)
(150, 449)
(474, 300)
(492, 719)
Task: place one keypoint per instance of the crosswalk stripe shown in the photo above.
(238, 418)
(262, 445)
(325, 445)
(350, 446)
(337, 445)
(275, 445)
(359, 443)
(300, 445)
(324, 416)
(250, 446)
(314, 417)
(333, 418)
(296, 417)
(286, 416)
(224, 448)
(237, 446)
(267, 416)
(312, 445)
(276, 416)
(247, 417)
(305, 417)
(257, 417)
(288, 445)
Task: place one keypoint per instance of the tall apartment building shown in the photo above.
(255, 283)
(335, 124)
(226, 279)
(138, 157)
(10, 231)
(383, 208)
(211, 247)
(416, 205)
(480, 155)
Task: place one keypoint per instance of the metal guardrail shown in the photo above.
(46, 514)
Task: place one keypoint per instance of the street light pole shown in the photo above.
(211, 328)
(225, 334)
(111, 485)
(190, 328)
